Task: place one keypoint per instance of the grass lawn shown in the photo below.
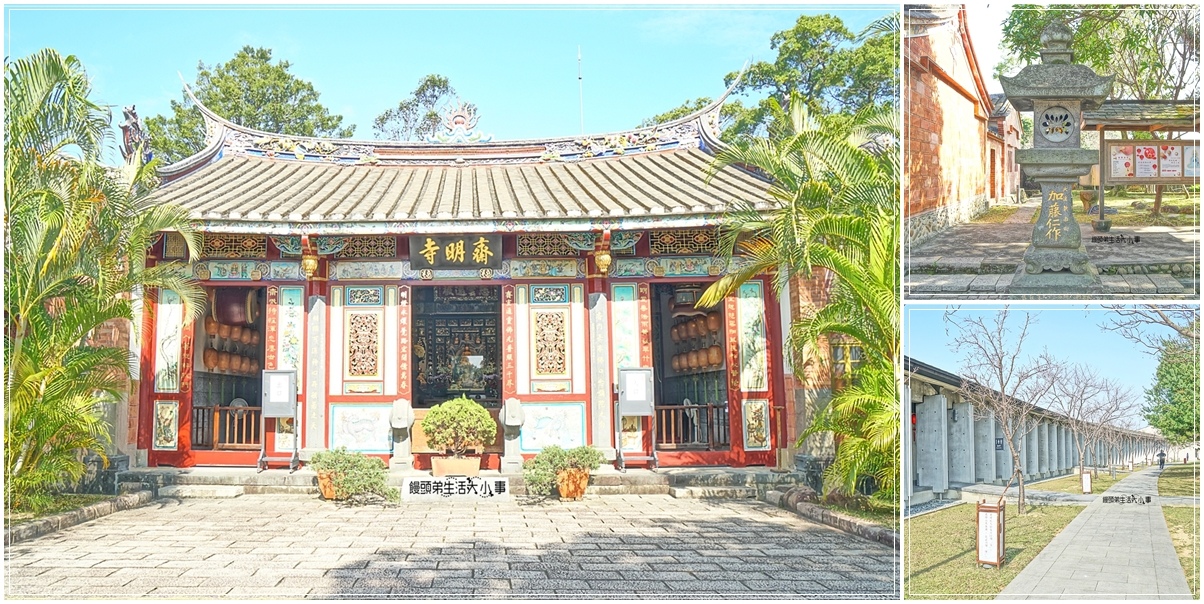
(996, 214)
(61, 503)
(939, 561)
(1184, 525)
(1127, 215)
(1181, 480)
(887, 516)
(1071, 483)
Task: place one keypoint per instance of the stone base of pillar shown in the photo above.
(402, 463)
(1055, 282)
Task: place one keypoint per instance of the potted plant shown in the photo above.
(344, 474)
(456, 426)
(565, 470)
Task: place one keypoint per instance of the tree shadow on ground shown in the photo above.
(740, 549)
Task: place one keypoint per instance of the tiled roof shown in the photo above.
(1172, 115)
(661, 183)
(999, 103)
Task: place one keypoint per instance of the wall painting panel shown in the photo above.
(169, 329)
(560, 424)
(167, 426)
(754, 361)
(363, 428)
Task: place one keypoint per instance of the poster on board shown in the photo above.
(1122, 161)
(1170, 161)
(1146, 165)
(1191, 161)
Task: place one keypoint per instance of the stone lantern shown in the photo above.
(1057, 92)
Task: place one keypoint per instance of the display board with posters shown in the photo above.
(1151, 162)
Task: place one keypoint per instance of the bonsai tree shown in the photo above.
(352, 474)
(458, 425)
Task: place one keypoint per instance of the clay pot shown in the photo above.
(713, 321)
(693, 359)
(700, 323)
(210, 326)
(246, 337)
(223, 331)
(691, 329)
(236, 333)
(209, 357)
(245, 366)
(254, 338)
(676, 363)
(254, 365)
(714, 356)
(674, 335)
(223, 361)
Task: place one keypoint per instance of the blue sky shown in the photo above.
(1069, 332)
(519, 65)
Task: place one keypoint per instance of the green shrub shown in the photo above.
(354, 474)
(539, 472)
(457, 425)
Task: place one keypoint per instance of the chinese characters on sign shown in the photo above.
(455, 487)
(1115, 239)
(1128, 499)
(456, 251)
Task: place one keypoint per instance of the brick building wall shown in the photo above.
(808, 386)
(946, 128)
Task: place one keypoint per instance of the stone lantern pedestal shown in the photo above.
(1057, 91)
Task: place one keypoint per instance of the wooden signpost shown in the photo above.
(1086, 478)
(991, 520)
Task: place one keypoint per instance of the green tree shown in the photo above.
(835, 208)
(416, 116)
(249, 90)
(1153, 50)
(76, 235)
(1173, 401)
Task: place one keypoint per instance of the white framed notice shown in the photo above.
(1086, 478)
(990, 521)
(279, 393)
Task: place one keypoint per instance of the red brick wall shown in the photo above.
(812, 373)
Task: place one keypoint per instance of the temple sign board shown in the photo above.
(635, 392)
(990, 520)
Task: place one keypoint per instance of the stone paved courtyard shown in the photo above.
(274, 546)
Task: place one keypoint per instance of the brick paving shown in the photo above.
(274, 546)
(1108, 550)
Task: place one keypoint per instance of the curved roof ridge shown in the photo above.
(219, 131)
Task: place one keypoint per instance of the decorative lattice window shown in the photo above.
(369, 246)
(846, 358)
(683, 241)
(222, 245)
(544, 244)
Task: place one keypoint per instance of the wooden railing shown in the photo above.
(225, 428)
(692, 427)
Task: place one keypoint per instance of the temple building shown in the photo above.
(525, 272)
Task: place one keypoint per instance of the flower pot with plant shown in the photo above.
(565, 470)
(344, 474)
(456, 426)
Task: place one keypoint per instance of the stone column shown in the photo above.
(601, 389)
(315, 377)
(1034, 453)
(1022, 448)
(932, 443)
(984, 450)
(1043, 448)
(961, 443)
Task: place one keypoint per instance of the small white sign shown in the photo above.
(1086, 483)
(458, 488)
(988, 534)
(635, 386)
(278, 388)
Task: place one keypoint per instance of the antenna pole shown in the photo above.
(580, 91)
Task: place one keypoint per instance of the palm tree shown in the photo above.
(836, 210)
(76, 235)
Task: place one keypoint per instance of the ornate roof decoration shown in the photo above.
(247, 180)
(133, 135)
(460, 120)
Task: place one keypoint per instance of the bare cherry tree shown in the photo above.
(1001, 380)
(1091, 404)
(1183, 320)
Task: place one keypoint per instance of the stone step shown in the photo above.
(713, 492)
(729, 479)
(628, 489)
(196, 491)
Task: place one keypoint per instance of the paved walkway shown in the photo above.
(1110, 549)
(277, 546)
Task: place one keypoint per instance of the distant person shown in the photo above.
(1161, 460)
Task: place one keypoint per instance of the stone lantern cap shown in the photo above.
(1056, 78)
